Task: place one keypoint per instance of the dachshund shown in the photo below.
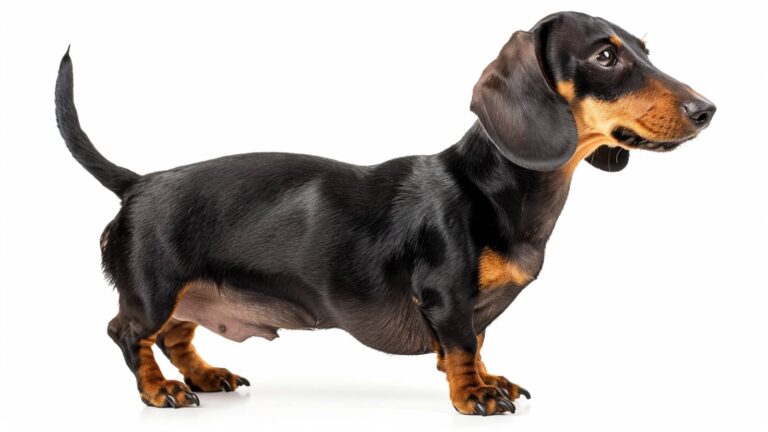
(415, 255)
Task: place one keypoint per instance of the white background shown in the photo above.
(651, 309)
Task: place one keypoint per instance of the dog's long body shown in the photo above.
(418, 254)
(267, 240)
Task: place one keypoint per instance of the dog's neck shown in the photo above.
(514, 204)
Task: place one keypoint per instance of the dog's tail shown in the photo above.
(115, 178)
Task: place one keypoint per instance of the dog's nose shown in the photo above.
(700, 111)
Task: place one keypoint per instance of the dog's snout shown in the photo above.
(699, 111)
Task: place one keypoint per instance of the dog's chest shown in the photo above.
(491, 303)
(502, 277)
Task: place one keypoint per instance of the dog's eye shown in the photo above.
(606, 58)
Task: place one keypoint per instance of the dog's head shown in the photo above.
(578, 87)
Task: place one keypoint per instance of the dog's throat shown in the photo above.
(586, 146)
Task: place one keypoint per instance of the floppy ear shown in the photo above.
(609, 159)
(524, 116)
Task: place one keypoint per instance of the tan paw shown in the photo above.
(481, 400)
(168, 394)
(510, 390)
(214, 380)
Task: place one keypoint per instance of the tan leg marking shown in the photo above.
(154, 389)
(511, 390)
(468, 392)
(177, 343)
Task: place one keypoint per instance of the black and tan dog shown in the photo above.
(415, 255)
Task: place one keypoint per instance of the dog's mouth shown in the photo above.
(632, 139)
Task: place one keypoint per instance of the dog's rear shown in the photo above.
(248, 244)
(142, 270)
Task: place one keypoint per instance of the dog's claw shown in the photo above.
(504, 392)
(226, 386)
(480, 409)
(242, 381)
(170, 402)
(506, 405)
(193, 398)
(523, 392)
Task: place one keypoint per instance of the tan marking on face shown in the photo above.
(495, 271)
(616, 41)
(652, 112)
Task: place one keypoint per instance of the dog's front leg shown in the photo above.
(510, 390)
(450, 317)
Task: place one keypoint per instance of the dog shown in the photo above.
(415, 255)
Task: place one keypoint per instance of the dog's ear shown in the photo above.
(519, 109)
(609, 159)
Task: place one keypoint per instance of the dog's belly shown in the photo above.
(237, 315)
(396, 327)
(392, 325)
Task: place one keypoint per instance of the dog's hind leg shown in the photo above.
(143, 313)
(175, 340)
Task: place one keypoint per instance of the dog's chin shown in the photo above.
(631, 139)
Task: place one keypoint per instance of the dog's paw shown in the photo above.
(213, 379)
(510, 390)
(482, 400)
(168, 394)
